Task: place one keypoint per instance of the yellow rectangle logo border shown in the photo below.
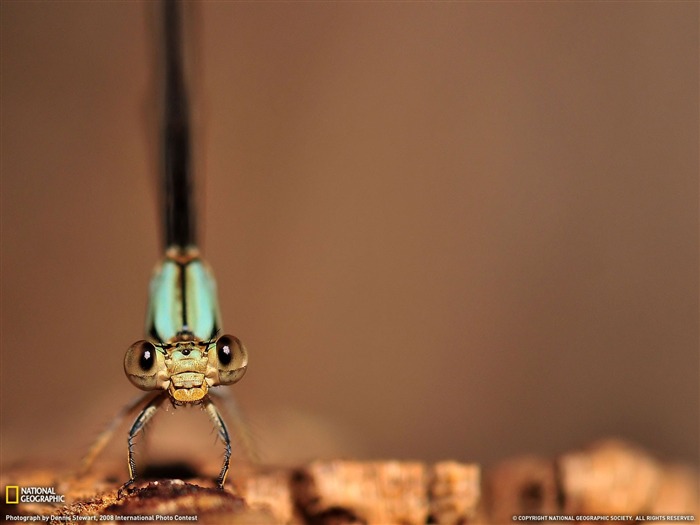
(7, 494)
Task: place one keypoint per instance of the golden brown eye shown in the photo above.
(224, 350)
(142, 363)
(228, 364)
(147, 358)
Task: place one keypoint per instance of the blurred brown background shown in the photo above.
(443, 230)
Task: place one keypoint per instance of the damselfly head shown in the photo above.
(228, 361)
(145, 366)
(186, 369)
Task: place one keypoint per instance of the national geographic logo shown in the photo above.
(12, 494)
(15, 494)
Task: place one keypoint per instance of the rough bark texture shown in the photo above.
(610, 478)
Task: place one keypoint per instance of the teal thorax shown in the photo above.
(182, 298)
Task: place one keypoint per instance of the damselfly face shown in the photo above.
(186, 367)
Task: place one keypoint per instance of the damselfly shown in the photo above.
(184, 355)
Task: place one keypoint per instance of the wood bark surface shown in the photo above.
(608, 479)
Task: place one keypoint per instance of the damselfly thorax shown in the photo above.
(184, 357)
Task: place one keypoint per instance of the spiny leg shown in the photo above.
(241, 430)
(223, 434)
(106, 435)
(144, 416)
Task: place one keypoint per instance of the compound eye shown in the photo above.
(142, 363)
(230, 360)
(147, 356)
(225, 348)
